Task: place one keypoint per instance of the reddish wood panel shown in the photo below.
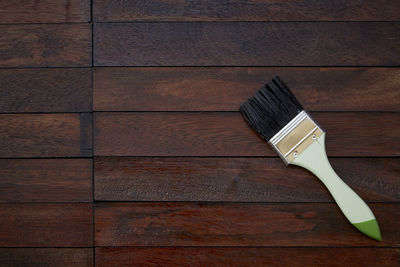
(236, 224)
(242, 10)
(134, 256)
(46, 180)
(227, 134)
(45, 45)
(247, 44)
(46, 257)
(237, 179)
(224, 89)
(44, 11)
(46, 225)
(45, 135)
(46, 90)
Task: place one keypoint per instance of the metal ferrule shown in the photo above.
(295, 137)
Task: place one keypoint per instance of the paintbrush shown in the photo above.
(279, 118)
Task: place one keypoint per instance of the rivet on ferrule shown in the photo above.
(295, 137)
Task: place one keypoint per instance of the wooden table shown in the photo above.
(121, 142)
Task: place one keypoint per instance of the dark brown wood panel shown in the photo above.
(46, 225)
(45, 135)
(136, 256)
(51, 180)
(237, 179)
(45, 45)
(40, 257)
(241, 10)
(247, 44)
(236, 224)
(44, 11)
(227, 134)
(46, 90)
(224, 89)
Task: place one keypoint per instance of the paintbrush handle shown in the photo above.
(314, 159)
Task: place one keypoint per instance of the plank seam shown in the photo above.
(240, 21)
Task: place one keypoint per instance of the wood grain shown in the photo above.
(46, 90)
(236, 224)
(45, 135)
(40, 257)
(224, 89)
(227, 134)
(46, 180)
(247, 44)
(44, 11)
(241, 10)
(45, 45)
(237, 179)
(46, 225)
(186, 257)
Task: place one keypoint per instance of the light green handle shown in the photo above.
(353, 207)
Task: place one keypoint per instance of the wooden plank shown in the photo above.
(45, 45)
(261, 10)
(237, 179)
(46, 225)
(135, 256)
(45, 135)
(46, 257)
(227, 134)
(236, 224)
(247, 44)
(44, 11)
(224, 89)
(46, 90)
(46, 180)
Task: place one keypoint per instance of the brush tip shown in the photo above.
(271, 108)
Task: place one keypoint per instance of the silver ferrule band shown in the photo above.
(288, 128)
(295, 136)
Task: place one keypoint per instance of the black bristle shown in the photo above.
(271, 108)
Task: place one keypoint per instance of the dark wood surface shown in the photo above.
(242, 10)
(237, 179)
(121, 143)
(45, 45)
(227, 134)
(188, 256)
(224, 89)
(45, 135)
(46, 225)
(247, 44)
(44, 11)
(49, 257)
(236, 224)
(46, 180)
(46, 90)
